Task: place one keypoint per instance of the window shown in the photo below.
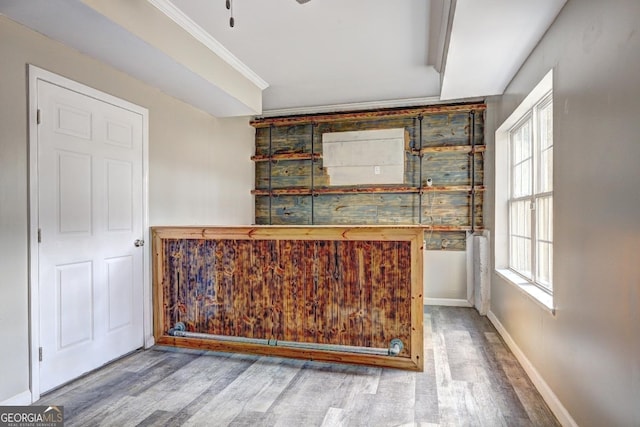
(531, 194)
(524, 195)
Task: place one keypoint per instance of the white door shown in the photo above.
(90, 216)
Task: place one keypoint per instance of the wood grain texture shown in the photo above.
(445, 208)
(379, 189)
(309, 285)
(364, 115)
(293, 187)
(470, 378)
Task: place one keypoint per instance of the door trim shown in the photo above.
(35, 74)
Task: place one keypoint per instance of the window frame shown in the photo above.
(503, 274)
(535, 193)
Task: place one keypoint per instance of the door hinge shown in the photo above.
(38, 116)
(39, 235)
(40, 354)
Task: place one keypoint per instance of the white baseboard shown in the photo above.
(21, 399)
(450, 302)
(545, 391)
(149, 342)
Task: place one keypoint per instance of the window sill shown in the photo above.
(539, 296)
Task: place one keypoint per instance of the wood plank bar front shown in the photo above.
(358, 286)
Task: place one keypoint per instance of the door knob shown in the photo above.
(138, 243)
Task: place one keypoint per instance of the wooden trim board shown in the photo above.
(366, 115)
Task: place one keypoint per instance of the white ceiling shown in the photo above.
(326, 51)
(323, 55)
(490, 39)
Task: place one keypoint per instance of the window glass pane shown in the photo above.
(521, 179)
(527, 145)
(521, 160)
(544, 241)
(521, 255)
(544, 218)
(545, 117)
(520, 219)
(544, 264)
(516, 147)
(545, 146)
(520, 231)
(546, 170)
(521, 142)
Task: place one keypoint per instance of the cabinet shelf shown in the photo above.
(285, 156)
(424, 150)
(359, 116)
(427, 227)
(450, 149)
(305, 191)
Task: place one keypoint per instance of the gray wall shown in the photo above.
(589, 352)
(200, 172)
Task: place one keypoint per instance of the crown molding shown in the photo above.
(187, 24)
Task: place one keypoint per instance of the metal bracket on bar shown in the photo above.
(313, 161)
(472, 156)
(420, 160)
(395, 345)
(270, 174)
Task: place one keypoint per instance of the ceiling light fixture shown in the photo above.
(230, 9)
(229, 4)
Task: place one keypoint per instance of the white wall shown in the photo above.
(588, 353)
(445, 277)
(199, 172)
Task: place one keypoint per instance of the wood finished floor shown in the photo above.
(470, 379)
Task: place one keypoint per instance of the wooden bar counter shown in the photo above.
(331, 293)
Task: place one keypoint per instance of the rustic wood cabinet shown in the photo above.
(344, 294)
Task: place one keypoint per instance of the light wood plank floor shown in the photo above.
(470, 379)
